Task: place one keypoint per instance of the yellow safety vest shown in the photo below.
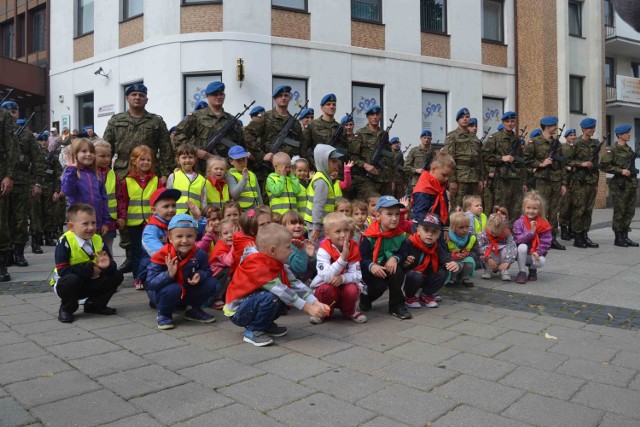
(479, 225)
(301, 197)
(214, 198)
(249, 196)
(329, 206)
(286, 201)
(336, 189)
(452, 247)
(110, 187)
(139, 209)
(190, 190)
(78, 255)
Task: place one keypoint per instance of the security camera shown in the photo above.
(99, 71)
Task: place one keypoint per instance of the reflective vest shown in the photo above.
(249, 196)
(453, 248)
(190, 190)
(287, 201)
(329, 206)
(110, 187)
(479, 224)
(301, 197)
(337, 191)
(139, 209)
(78, 255)
(214, 197)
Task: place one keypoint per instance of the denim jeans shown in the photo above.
(168, 298)
(257, 311)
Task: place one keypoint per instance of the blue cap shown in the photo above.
(256, 110)
(214, 87)
(549, 121)
(330, 97)
(83, 134)
(20, 121)
(183, 221)
(10, 105)
(508, 116)
(387, 202)
(462, 112)
(431, 220)
(42, 137)
(622, 129)
(373, 110)
(500, 127)
(473, 121)
(238, 152)
(173, 128)
(394, 140)
(280, 89)
(535, 132)
(426, 132)
(335, 154)
(138, 87)
(588, 123)
(569, 132)
(87, 127)
(306, 112)
(200, 105)
(346, 119)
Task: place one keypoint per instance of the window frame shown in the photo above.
(211, 76)
(123, 11)
(9, 23)
(579, 16)
(80, 101)
(492, 116)
(610, 62)
(197, 2)
(78, 22)
(292, 9)
(445, 27)
(501, 38)
(32, 30)
(357, 120)
(370, 21)
(635, 69)
(437, 135)
(581, 80)
(294, 104)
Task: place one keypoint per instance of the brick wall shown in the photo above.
(438, 45)
(83, 47)
(290, 24)
(201, 18)
(494, 54)
(367, 34)
(132, 32)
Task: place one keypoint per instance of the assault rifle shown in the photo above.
(431, 154)
(513, 152)
(338, 134)
(631, 166)
(484, 136)
(380, 148)
(6, 96)
(21, 129)
(553, 153)
(593, 158)
(282, 137)
(219, 137)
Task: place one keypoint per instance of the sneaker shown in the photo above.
(437, 297)
(365, 303)
(505, 276)
(138, 285)
(533, 275)
(276, 331)
(257, 338)
(467, 283)
(400, 311)
(199, 315)
(428, 301)
(165, 322)
(218, 304)
(316, 320)
(486, 274)
(412, 302)
(521, 278)
(359, 317)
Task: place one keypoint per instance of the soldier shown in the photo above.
(473, 126)
(548, 172)
(398, 183)
(416, 157)
(322, 129)
(466, 150)
(8, 160)
(256, 113)
(489, 182)
(128, 130)
(43, 208)
(508, 182)
(622, 186)
(566, 232)
(585, 183)
(305, 117)
(347, 121)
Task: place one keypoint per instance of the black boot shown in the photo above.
(557, 245)
(127, 265)
(4, 274)
(629, 241)
(619, 240)
(8, 256)
(36, 241)
(579, 241)
(588, 241)
(49, 240)
(18, 256)
(564, 232)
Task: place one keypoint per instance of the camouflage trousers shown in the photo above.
(20, 202)
(508, 194)
(488, 197)
(565, 208)
(362, 187)
(464, 189)
(43, 213)
(583, 198)
(550, 192)
(5, 232)
(623, 194)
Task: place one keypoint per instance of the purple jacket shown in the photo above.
(88, 189)
(522, 235)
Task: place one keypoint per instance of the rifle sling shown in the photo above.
(292, 143)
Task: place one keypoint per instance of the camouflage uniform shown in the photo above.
(362, 148)
(43, 208)
(622, 189)
(564, 217)
(8, 158)
(399, 179)
(466, 150)
(320, 131)
(584, 186)
(415, 160)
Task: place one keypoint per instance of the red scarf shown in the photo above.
(168, 249)
(218, 184)
(542, 226)
(374, 231)
(220, 248)
(430, 254)
(240, 241)
(353, 256)
(493, 243)
(154, 220)
(427, 183)
(256, 270)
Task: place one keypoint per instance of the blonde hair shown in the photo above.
(534, 196)
(468, 199)
(497, 224)
(334, 218)
(272, 235)
(343, 201)
(442, 161)
(101, 143)
(292, 217)
(458, 219)
(212, 160)
(276, 217)
(76, 146)
(281, 158)
(361, 205)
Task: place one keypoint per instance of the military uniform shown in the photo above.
(43, 207)
(564, 214)
(415, 160)
(622, 189)
(320, 131)
(466, 150)
(399, 180)
(362, 148)
(8, 159)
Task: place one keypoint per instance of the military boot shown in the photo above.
(557, 245)
(49, 240)
(629, 241)
(18, 255)
(564, 232)
(127, 265)
(579, 241)
(8, 259)
(619, 240)
(36, 242)
(588, 241)
(4, 274)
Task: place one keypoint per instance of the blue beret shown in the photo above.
(256, 110)
(20, 121)
(10, 105)
(330, 97)
(549, 121)
(346, 119)
(508, 116)
(535, 132)
(426, 132)
(622, 129)
(87, 127)
(200, 105)
(306, 112)
(83, 134)
(373, 109)
(280, 89)
(569, 132)
(394, 140)
(173, 128)
(138, 87)
(588, 123)
(214, 87)
(462, 112)
(473, 121)
(500, 127)
(42, 137)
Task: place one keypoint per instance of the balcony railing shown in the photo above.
(612, 94)
(609, 31)
(626, 90)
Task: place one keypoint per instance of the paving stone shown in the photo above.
(479, 393)
(150, 343)
(179, 403)
(123, 332)
(336, 330)
(312, 411)
(182, 357)
(377, 340)
(436, 318)
(568, 334)
(539, 359)
(345, 384)
(478, 329)
(3, 393)
(423, 352)
(417, 375)
(101, 322)
(295, 367)
(108, 363)
(481, 346)
(627, 359)
(522, 325)
(361, 359)
(88, 409)
(140, 420)
(60, 336)
(381, 421)
(543, 382)
(192, 329)
(619, 343)
(611, 331)
(140, 381)
(477, 316)
(316, 345)
(609, 398)
(585, 351)
(78, 349)
(428, 334)
(526, 340)
(216, 340)
(13, 414)
(514, 313)
(478, 366)
(11, 337)
(231, 416)
(37, 327)
(399, 403)
(252, 392)
(250, 355)
(597, 371)
(464, 416)
(545, 411)
(613, 420)
(220, 373)
(26, 369)
(47, 389)
(635, 384)
(32, 316)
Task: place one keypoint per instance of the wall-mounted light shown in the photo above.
(240, 69)
(100, 72)
(60, 98)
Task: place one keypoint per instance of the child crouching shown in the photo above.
(463, 247)
(497, 246)
(533, 236)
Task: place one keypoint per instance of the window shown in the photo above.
(7, 39)
(85, 110)
(367, 10)
(85, 17)
(575, 94)
(194, 86)
(433, 16)
(609, 72)
(575, 18)
(635, 69)
(492, 110)
(20, 34)
(608, 13)
(290, 4)
(609, 121)
(434, 114)
(38, 30)
(298, 91)
(492, 21)
(363, 96)
(132, 8)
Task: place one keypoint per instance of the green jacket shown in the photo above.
(615, 159)
(321, 132)
(362, 148)
(260, 134)
(536, 152)
(8, 145)
(29, 168)
(415, 160)
(466, 150)
(581, 152)
(201, 125)
(498, 145)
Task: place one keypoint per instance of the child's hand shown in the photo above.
(103, 261)
(410, 259)
(345, 251)
(536, 256)
(315, 235)
(452, 266)
(210, 228)
(104, 230)
(310, 248)
(195, 279)
(282, 170)
(378, 271)
(172, 266)
(492, 264)
(194, 210)
(533, 227)
(55, 197)
(325, 307)
(391, 265)
(504, 266)
(335, 281)
(121, 222)
(299, 244)
(311, 173)
(245, 174)
(317, 309)
(445, 234)
(405, 201)
(349, 164)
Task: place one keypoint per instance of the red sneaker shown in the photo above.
(428, 301)
(412, 302)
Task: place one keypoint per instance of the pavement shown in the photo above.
(562, 351)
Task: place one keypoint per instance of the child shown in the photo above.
(359, 214)
(533, 236)
(113, 189)
(244, 242)
(343, 206)
(338, 185)
(463, 247)
(84, 268)
(282, 185)
(210, 236)
(339, 278)
(497, 247)
(429, 193)
(243, 184)
(428, 265)
(180, 272)
(301, 171)
(372, 201)
(231, 210)
(216, 187)
(302, 260)
(187, 180)
(384, 247)
(221, 258)
(472, 205)
(262, 287)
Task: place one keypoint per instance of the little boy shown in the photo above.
(263, 286)
(282, 185)
(472, 206)
(84, 267)
(300, 168)
(384, 247)
(372, 200)
(429, 193)
(180, 272)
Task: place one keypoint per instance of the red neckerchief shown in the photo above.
(218, 184)
(542, 226)
(256, 270)
(493, 243)
(353, 256)
(168, 249)
(427, 183)
(374, 231)
(430, 254)
(154, 220)
(239, 242)
(220, 248)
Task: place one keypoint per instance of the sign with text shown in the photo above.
(434, 114)
(628, 89)
(492, 110)
(194, 87)
(364, 97)
(298, 92)
(106, 110)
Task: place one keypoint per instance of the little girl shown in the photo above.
(359, 212)
(340, 186)
(211, 231)
(244, 241)
(243, 184)
(112, 187)
(533, 237)
(472, 206)
(343, 206)
(221, 258)
(497, 247)
(217, 187)
(231, 210)
(302, 260)
(463, 247)
(301, 171)
(187, 180)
